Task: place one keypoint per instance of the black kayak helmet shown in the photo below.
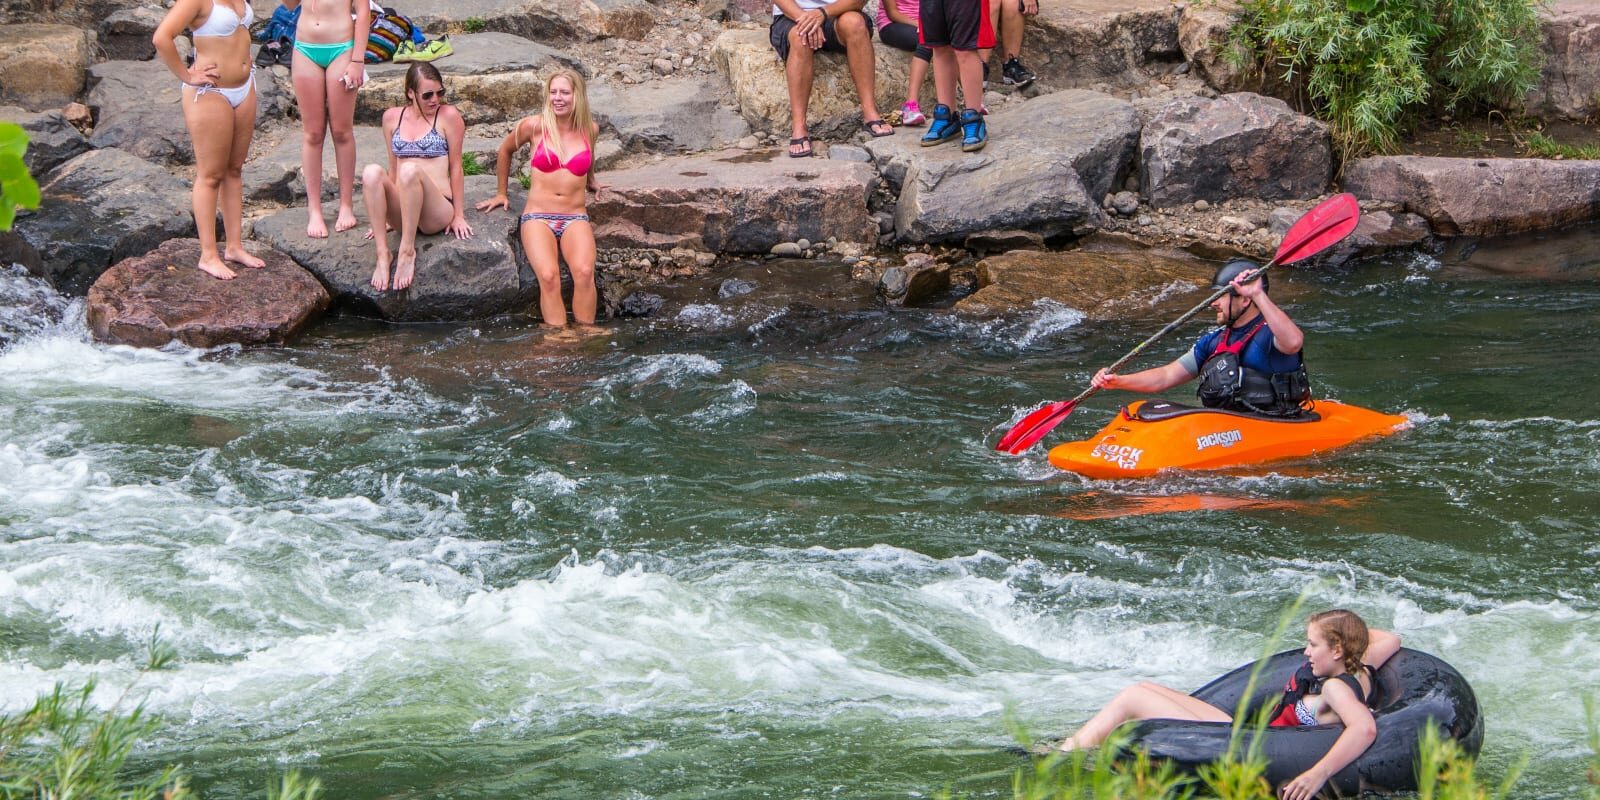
(1227, 272)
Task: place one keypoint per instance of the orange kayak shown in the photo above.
(1149, 436)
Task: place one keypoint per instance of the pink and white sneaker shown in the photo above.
(911, 116)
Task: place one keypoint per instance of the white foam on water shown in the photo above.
(1053, 318)
(739, 399)
(706, 317)
(671, 369)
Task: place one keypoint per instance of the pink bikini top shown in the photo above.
(545, 160)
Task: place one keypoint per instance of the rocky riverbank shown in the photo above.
(1136, 132)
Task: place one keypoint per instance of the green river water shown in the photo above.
(757, 549)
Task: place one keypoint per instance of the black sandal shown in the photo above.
(887, 129)
(806, 153)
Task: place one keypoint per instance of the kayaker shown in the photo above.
(1332, 688)
(1252, 363)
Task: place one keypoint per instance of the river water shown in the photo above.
(764, 549)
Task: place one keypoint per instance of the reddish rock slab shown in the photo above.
(1482, 197)
(162, 297)
(735, 202)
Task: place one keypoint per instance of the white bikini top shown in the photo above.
(223, 21)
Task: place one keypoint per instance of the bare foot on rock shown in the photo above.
(346, 220)
(238, 256)
(404, 269)
(316, 227)
(214, 267)
(380, 275)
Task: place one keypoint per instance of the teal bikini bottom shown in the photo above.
(322, 54)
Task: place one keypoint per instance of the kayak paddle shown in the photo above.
(1315, 231)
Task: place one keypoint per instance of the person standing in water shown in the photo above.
(1332, 688)
(330, 45)
(1251, 364)
(219, 108)
(555, 220)
(421, 189)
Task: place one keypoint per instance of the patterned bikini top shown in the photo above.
(430, 145)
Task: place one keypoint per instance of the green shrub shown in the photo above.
(1367, 65)
(470, 165)
(474, 25)
(64, 748)
(17, 187)
(1543, 146)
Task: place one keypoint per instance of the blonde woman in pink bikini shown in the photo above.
(219, 107)
(330, 45)
(555, 221)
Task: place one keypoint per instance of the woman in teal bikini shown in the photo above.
(555, 220)
(329, 52)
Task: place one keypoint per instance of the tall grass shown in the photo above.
(66, 748)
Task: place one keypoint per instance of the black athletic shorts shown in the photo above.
(904, 37)
(952, 23)
(778, 34)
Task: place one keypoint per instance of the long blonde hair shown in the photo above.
(580, 113)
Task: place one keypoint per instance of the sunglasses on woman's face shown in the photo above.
(430, 95)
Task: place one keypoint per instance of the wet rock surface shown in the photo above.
(97, 209)
(162, 297)
(1102, 285)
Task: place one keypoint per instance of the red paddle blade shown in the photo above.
(1033, 427)
(1332, 220)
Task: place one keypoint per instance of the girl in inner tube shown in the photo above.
(1332, 688)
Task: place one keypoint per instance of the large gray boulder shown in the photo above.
(735, 202)
(42, 66)
(161, 297)
(1481, 197)
(456, 279)
(544, 20)
(746, 56)
(674, 115)
(126, 34)
(1092, 42)
(1203, 31)
(1237, 145)
(51, 139)
(1570, 84)
(492, 77)
(139, 108)
(1048, 162)
(98, 209)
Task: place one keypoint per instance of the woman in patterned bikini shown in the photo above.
(555, 223)
(330, 43)
(420, 191)
(219, 107)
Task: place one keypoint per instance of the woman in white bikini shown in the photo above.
(219, 106)
(330, 45)
(420, 191)
(555, 220)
